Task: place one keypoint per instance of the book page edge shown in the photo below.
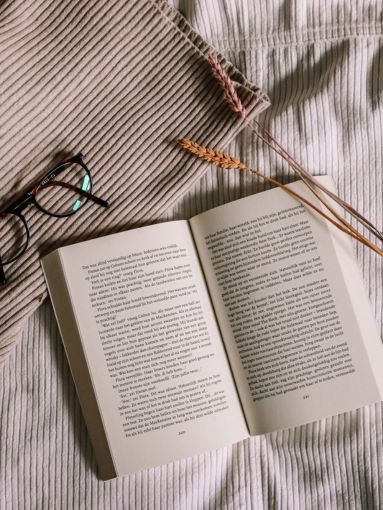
(60, 297)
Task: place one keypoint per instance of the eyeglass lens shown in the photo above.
(59, 196)
(13, 237)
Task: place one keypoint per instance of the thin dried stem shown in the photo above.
(308, 178)
(225, 161)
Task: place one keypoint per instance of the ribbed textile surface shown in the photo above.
(321, 63)
(119, 81)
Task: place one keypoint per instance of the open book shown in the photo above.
(186, 336)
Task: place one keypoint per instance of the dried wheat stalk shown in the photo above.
(225, 161)
(234, 102)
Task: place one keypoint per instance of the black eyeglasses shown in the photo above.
(60, 193)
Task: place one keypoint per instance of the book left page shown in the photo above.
(152, 346)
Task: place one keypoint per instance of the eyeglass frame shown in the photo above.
(29, 198)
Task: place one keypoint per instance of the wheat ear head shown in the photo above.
(212, 156)
(227, 85)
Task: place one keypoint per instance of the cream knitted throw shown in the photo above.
(119, 81)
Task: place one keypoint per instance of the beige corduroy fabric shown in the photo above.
(119, 81)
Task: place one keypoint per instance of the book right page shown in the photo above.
(292, 309)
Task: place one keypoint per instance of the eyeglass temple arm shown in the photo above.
(80, 191)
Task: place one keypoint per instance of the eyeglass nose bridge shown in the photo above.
(19, 206)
